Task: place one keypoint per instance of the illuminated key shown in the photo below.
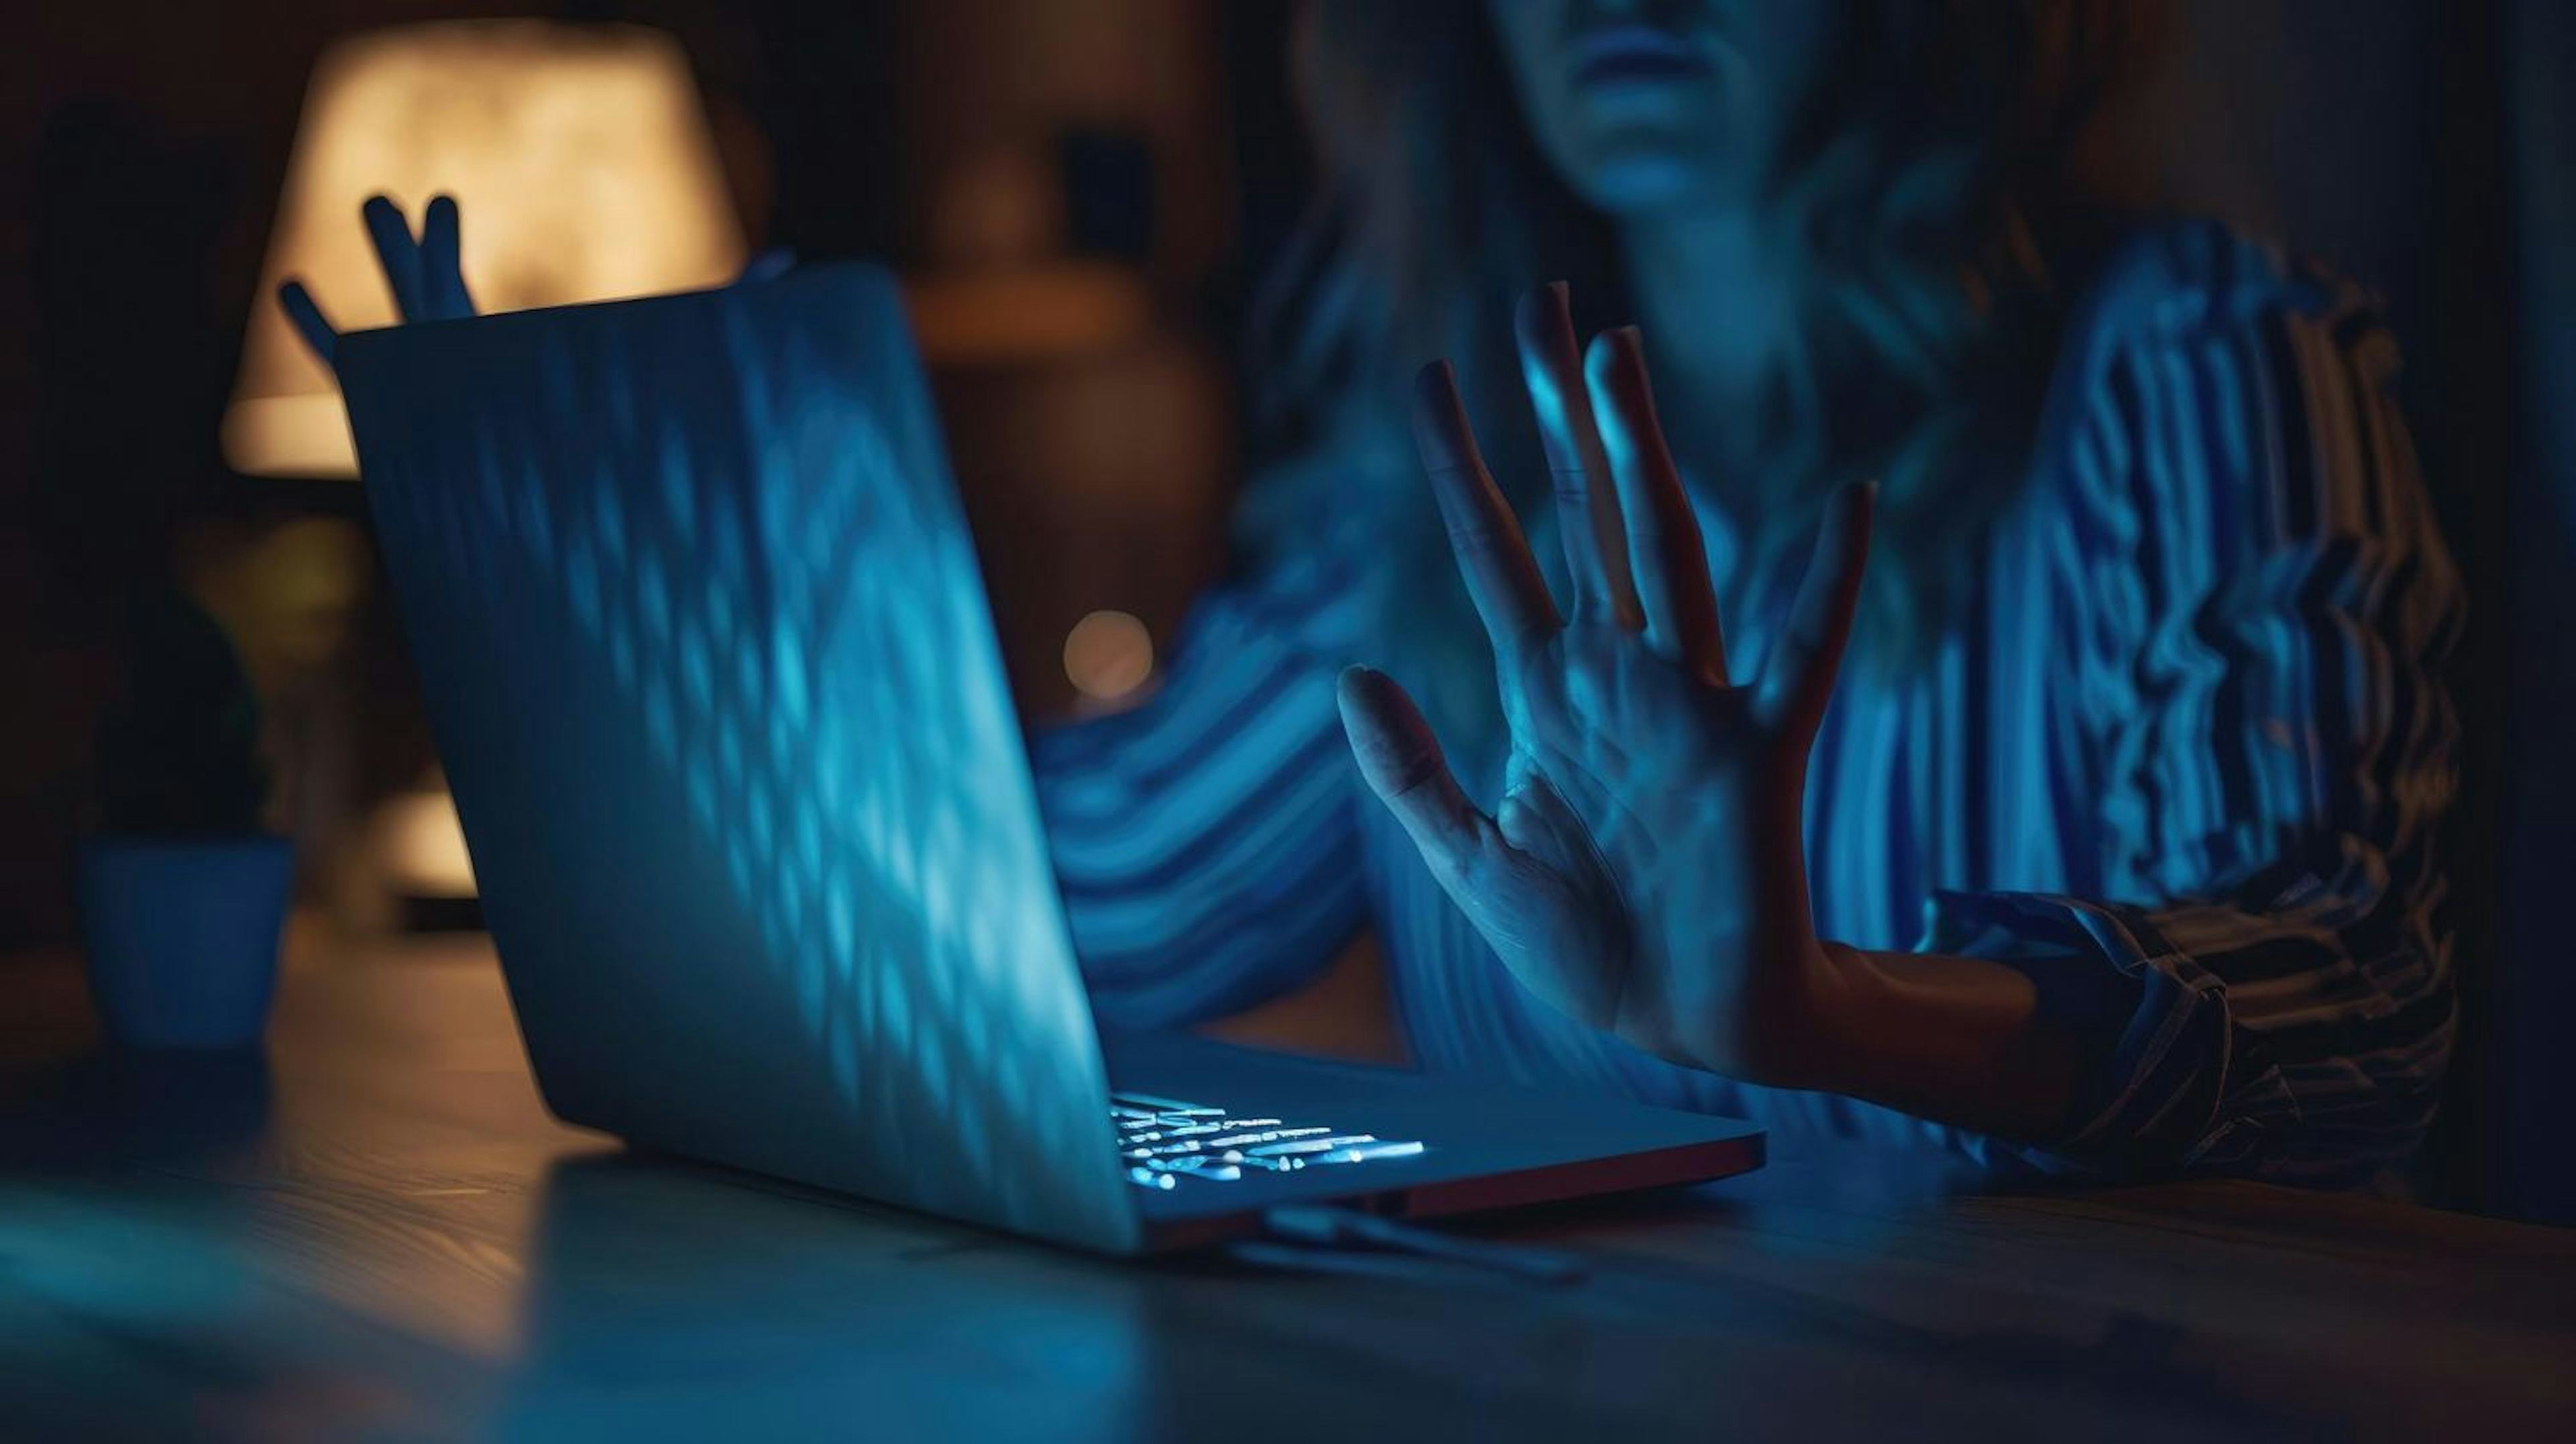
(1265, 1135)
(1162, 1139)
(1310, 1145)
(1199, 1165)
(1165, 1105)
(1163, 1135)
(1364, 1152)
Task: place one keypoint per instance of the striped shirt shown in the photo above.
(2189, 755)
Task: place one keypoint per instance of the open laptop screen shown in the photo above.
(711, 670)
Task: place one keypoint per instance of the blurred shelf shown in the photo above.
(1035, 313)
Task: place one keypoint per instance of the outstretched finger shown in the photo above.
(1798, 677)
(1400, 760)
(397, 254)
(1664, 547)
(305, 314)
(442, 263)
(1587, 501)
(1502, 577)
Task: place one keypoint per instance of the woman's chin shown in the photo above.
(1645, 179)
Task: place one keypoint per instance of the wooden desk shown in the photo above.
(377, 1232)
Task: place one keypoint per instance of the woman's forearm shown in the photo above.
(1957, 1040)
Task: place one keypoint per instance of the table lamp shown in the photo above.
(585, 169)
(579, 154)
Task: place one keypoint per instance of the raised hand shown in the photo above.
(423, 271)
(1645, 870)
(427, 277)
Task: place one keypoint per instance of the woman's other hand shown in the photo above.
(426, 272)
(1646, 869)
(423, 272)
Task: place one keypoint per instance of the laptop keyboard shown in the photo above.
(1164, 1141)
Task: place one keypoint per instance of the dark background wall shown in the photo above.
(2533, 1084)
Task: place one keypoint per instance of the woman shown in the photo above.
(2108, 849)
(2143, 714)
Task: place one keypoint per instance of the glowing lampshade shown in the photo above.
(579, 155)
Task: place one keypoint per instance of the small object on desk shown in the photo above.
(1315, 1225)
(182, 936)
(182, 895)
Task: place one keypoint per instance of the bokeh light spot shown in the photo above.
(1108, 655)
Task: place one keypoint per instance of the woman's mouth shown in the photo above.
(1631, 52)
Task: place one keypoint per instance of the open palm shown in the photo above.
(1645, 869)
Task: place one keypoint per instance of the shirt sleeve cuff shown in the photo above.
(2184, 1088)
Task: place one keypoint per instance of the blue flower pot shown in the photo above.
(182, 936)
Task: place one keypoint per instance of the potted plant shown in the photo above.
(182, 890)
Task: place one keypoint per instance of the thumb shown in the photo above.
(1402, 763)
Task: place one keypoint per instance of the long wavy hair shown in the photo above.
(1918, 189)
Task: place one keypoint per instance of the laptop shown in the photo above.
(711, 669)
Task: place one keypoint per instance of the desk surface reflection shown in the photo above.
(375, 1231)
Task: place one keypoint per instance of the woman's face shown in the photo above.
(1646, 106)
